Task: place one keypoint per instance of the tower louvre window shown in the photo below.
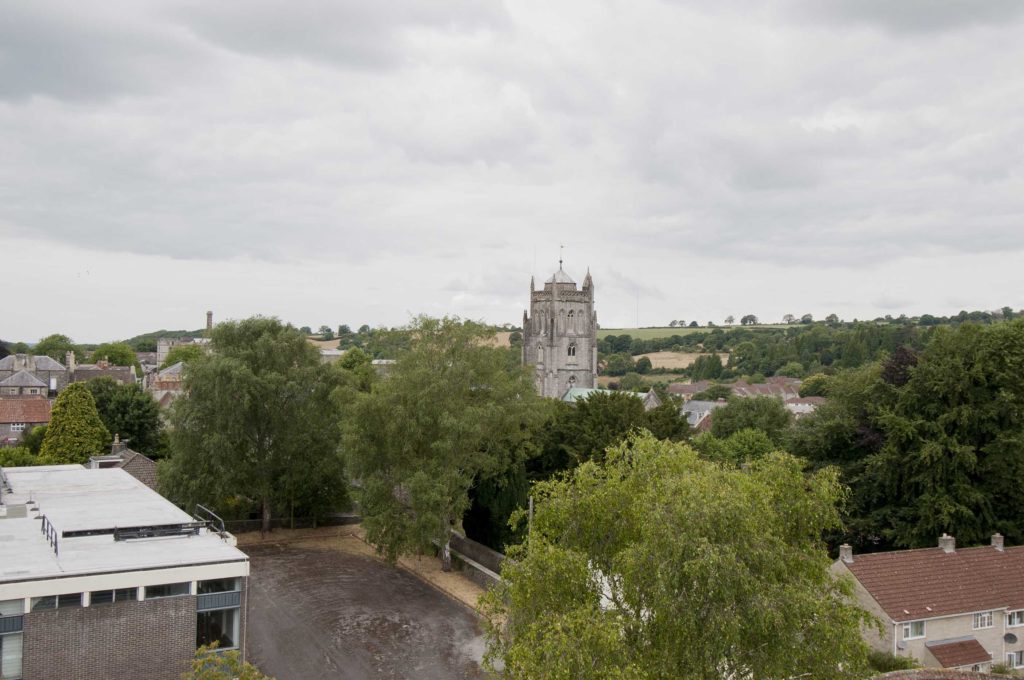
(572, 349)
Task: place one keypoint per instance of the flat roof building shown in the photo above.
(101, 577)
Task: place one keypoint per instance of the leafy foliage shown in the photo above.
(76, 431)
(33, 439)
(118, 354)
(131, 413)
(448, 415)
(183, 353)
(18, 456)
(211, 664)
(658, 564)
(56, 347)
(258, 422)
(767, 414)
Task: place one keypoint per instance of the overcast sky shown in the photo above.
(346, 161)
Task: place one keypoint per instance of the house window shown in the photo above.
(982, 620)
(572, 349)
(913, 630)
(56, 601)
(1015, 659)
(17, 427)
(10, 655)
(168, 590)
(217, 615)
(1015, 618)
(108, 596)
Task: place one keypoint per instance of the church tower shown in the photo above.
(560, 335)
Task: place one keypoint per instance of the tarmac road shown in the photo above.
(321, 613)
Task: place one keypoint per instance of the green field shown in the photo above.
(667, 332)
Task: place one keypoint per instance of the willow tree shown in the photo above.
(257, 421)
(658, 564)
(449, 413)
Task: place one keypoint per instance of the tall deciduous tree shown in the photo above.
(117, 353)
(760, 413)
(130, 413)
(658, 564)
(183, 353)
(75, 431)
(56, 347)
(449, 413)
(257, 421)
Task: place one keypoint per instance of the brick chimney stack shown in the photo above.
(846, 553)
(209, 322)
(70, 361)
(997, 542)
(118, 447)
(947, 543)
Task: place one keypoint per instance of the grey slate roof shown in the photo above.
(22, 379)
(42, 362)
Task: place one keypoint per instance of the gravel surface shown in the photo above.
(322, 613)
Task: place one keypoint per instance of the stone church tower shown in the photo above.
(560, 335)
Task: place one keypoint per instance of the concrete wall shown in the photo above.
(152, 639)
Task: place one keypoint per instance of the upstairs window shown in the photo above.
(168, 590)
(982, 620)
(17, 427)
(572, 349)
(1015, 618)
(913, 630)
(108, 596)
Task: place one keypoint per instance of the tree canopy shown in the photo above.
(131, 413)
(183, 353)
(258, 422)
(76, 431)
(118, 354)
(56, 347)
(449, 414)
(657, 564)
(929, 442)
(767, 414)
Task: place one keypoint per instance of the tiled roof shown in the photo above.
(139, 466)
(688, 388)
(813, 401)
(173, 369)
(42, 363)
(958, 652)
(22, 410)
(929, 582)
(22, 379)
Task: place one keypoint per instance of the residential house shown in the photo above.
(945, 607)
(803, 406)
(111, 579)
(19, 415)
(124, 375)
(687, 390)
(134, 463)
(698, 413)
(650, 399)
(43, 375)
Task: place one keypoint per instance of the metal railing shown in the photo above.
(212, 519)
(50, 532)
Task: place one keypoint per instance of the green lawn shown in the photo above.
(667, 332)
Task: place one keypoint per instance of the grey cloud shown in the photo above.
(353, 33)
(911, 16)
(71, 51)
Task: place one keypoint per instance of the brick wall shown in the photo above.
(153, 639)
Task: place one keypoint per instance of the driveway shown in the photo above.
(323, 613)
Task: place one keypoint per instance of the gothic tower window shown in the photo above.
(572, 349)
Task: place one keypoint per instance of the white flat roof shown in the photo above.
(74, 498)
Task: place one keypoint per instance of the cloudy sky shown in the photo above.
(345, 161)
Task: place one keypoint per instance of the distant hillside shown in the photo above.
(147, 341)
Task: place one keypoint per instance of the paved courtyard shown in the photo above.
(318, 612)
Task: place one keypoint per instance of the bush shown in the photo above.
(883, 662)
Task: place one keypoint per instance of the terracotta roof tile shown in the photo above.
(22, 410)
(959, 652)
(921, 584)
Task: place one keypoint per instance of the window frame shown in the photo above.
(1015, 659)
(979, 618)
(18, 427)
(187, 584)
(908, 630)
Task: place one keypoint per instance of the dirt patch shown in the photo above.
(322, 605)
